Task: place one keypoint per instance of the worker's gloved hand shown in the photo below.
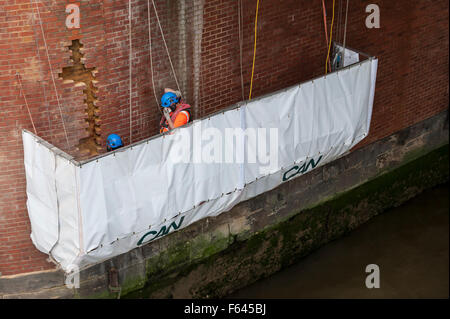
(166, 112)
(178, 94)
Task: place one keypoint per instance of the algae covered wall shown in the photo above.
(303, 228)
(281, 245)
(216, 256)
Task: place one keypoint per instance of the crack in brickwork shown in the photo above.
(90, 145)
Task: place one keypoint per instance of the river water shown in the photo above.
(409, 244)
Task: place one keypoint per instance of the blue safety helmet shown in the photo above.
(113, 141)
(168, 99)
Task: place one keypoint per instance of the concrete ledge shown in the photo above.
(31, 282)
(216, 256)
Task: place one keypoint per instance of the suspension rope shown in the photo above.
(324, 10)
(254, 50)
(241, 45)
(334, 54)
(26, 102)
(151, 51)
(40, 65)
(338, 22)
(202, 84)
(331, 36)
(51, 72)
(165, 44)
(345, 33)
(130, 69)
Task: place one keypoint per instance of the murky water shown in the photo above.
(410, 244)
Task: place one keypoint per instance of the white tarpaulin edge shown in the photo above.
(52, 200)
(85, 213)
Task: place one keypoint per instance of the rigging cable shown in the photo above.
(40, 65)
(130, 68)
(151, 51)
(339, 23)
(254, 50)
(241, 44)
(325, 27)
(26, 103)
(331, 36)
(51, 72)
(345, 34)
(167, 49)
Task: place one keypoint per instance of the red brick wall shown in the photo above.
(412, 47)
(290, 48)
(20, 45)
(412, 84)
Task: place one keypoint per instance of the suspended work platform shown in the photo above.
(83, 213)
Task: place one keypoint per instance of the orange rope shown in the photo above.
(331, 36)
(325, 27)
(254, 50)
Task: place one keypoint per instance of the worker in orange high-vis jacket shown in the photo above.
(176, 113)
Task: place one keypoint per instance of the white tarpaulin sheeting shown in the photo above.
(84, 213)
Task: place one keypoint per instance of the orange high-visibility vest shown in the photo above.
(180, 117)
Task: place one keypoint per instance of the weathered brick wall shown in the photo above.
(412, 46)
(203, 40)
(22, 50)
(290, 48)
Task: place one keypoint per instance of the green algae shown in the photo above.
(283, 244)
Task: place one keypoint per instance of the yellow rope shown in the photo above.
(254, 51)
(331, 36)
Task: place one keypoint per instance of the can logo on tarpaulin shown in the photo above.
(294, 171)
(162, 232)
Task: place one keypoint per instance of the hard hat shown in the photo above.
(114, 141)
(168, 99)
